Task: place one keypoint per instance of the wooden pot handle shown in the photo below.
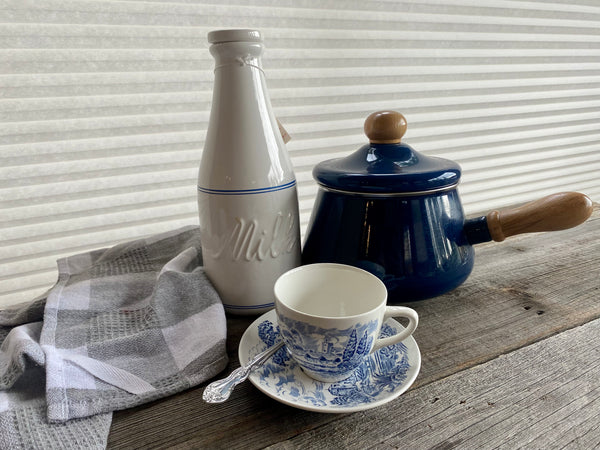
(554, 212)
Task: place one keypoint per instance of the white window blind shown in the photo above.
(105, 105)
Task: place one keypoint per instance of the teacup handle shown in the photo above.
(397, 311)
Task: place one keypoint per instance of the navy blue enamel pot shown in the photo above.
(396, 213)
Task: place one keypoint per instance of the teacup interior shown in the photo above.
(330, 290)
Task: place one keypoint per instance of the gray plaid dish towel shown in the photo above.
(122, 326)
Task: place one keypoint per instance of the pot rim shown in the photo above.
(390, 194)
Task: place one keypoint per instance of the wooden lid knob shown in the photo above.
(385, 127)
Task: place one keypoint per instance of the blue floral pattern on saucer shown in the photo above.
(385, 375)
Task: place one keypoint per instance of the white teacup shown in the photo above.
(330, 316)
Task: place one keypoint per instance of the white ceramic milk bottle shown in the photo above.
(247, 197)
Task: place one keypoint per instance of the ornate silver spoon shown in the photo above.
(220, 390)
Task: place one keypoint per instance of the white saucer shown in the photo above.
(383, 377)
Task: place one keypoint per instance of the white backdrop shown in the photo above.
(105, 104)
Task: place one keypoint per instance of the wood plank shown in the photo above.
(521, 291)
(545, 395)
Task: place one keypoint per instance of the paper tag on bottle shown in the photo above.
(284, 134)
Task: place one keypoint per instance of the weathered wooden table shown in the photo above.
(510, 359)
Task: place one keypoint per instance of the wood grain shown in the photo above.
(551, 213)
(521, 291)
(385, 127)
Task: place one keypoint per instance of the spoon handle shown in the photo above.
(220, 390)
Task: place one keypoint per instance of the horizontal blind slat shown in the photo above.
(522, 90)
(138, 13)
(508, 7)
(66, 208)
(26, 35)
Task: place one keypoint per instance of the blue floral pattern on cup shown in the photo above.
(382, 372)
(329, 352)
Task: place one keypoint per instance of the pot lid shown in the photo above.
(386, 165)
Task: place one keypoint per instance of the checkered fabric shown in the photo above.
(123, 326)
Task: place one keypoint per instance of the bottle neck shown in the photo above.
(240, 86)
(237, 54)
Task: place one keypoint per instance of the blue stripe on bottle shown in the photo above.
(264, 305)
(247, 191)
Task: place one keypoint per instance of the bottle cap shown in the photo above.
(235, 35)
